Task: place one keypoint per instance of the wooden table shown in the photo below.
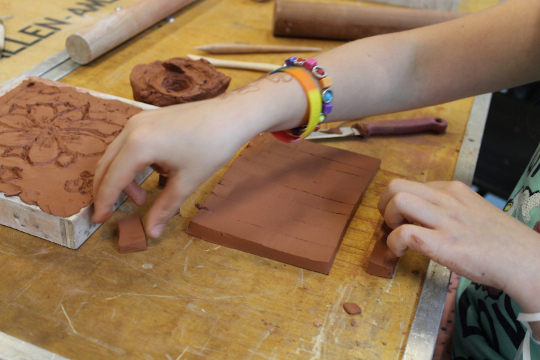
(185, 298)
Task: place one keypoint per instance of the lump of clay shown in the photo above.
(131, 236)
(382, 261)
(352, 308)
(177, 81)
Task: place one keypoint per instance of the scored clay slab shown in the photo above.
(70, 231)
(287, 202)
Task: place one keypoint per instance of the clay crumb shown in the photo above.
(335, 130)
(353, 322)
(352, 308)
(357, 343)
(200, 207)
(317, 324)
(162, 180)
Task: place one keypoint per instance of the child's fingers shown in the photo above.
(116, 177)
(417, 238)
(405, 208)
(397, 186)
(167, 205)
(106, 159)
(135, 193)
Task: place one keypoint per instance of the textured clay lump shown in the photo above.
(352, 309)
(286, 202)
(177, 81)
(51, 138)
(382, 261)
(131, 236)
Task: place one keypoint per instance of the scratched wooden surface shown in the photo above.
(186, 298)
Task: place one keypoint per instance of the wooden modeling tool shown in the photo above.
(93, 41)
(383, 127)
(382, 261)
(253, 49)
(245, 65)
(349, 22)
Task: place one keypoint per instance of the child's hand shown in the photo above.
(456, 227)
(188, 143)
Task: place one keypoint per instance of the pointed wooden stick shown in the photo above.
(251, 49)
(245, 65)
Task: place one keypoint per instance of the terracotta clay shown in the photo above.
(131, 236)
(382, 261)
(286, 202)
(335, 130)
(51, 138)
(162, 180)
(352, 309)
(177, 81)
(317, 20)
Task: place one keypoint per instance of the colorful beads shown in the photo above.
(319, 72)
(315, 105)
(326, 97)
(325, 81)
(310, 63)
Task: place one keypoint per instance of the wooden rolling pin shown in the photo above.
(349, 22)
(109, 32)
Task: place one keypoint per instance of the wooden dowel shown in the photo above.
(245, 65)
(349, 22)
(95, 40)
(251, 49)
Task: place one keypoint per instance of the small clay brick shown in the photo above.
(382, 261)
(131, 235)
(352, 308)
(162, 180)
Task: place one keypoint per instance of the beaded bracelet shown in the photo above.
(325, 82)
(314, 100)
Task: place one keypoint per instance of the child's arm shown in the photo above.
(478, 53)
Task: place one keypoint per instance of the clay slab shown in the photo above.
(287, 202)
(71, 231)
